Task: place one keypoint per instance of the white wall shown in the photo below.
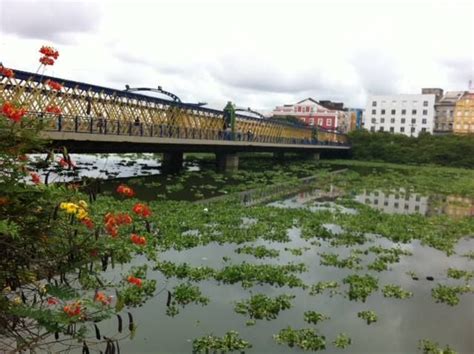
(399, 103)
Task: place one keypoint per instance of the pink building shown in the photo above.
(325, 114)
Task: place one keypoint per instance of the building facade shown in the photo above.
(464, 114)
(326, 114)
(444, 111)
(403, 114)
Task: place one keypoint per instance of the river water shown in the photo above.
(401, 322)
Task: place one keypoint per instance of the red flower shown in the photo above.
(66, 163)
(135, 281)
(11, 112)
(111, 224)
(54, 85)
(52, 301)
(46, 60)
(138, 240)
(53, 110)
(6, 72)
(23, 158)
(35, 178)
(123, 219)
(88, 222)
(125, 190)
(49, 52)
(142, 210)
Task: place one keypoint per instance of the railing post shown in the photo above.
(118, 127)
(60, 123)
(91, 125)
(76, 123)
(151, 129)
(105, 126)
(141, 129)
(130, 128)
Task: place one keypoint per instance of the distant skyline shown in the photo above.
(256, 53)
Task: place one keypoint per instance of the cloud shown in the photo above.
(48, 19)
(459, 70)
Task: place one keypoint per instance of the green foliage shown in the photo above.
(305, 338)
(228, 343)
(342, 341)
(448, 150)
(449, 294)
(395, 291)
(459, 273)
(369, 316)
(319, 287)
(331, 259)
(315, 317)
(258, 251)
(260, 306)
(360, 287)
(184, 294)
(429, 347)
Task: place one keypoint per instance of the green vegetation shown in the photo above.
(360, 287)
(395, 291)
(449, 294)
(429, 347)
(369, 316)
(228, 343)
(184, 294)
(260, 306)
(314, 317)
(306, 338)
(448, 150)
(458, 274)
(258, 252)
(342, 341)
(319, 288)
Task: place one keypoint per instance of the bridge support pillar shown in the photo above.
(279, 155)
(227, 162)
(172, 162)
(314, 156)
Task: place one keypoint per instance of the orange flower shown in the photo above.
(49, 52)
(35, 178)
(142, 210)
(54, 85)
(53, 109)
(11, 112)
(135, 281)
(125, 190)
(138, 240)
(6, 72)
(101, 297)
(73, 309)
(46, 60)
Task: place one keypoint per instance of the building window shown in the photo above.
(404, 111)
(407, 206)
(425, 112)
(392, 120)
(423, 130)
(320, 121)
(402, 129)
(425, 103)
(372, 129)
(382, 111)
(382, 120)
(423, 121)
(413, 120)
(311, 121)
(394, 111)
(395, 205)
(374, 111)
(412, 129)
(392, 129)
(329, 122)
(381, 129)
(374, 120)
(385, 202)
(374, 103)
(403, 120)
(413, 111)
(417, 207)
(299, 109)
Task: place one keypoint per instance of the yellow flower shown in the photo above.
(81, 214)
(17, 300)
(6, 290)
(82, 204)
(71, 208)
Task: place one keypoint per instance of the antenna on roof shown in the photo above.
(471, 88)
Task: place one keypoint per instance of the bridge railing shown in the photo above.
(91, 125)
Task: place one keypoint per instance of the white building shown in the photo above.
(395, 203)
(403, 114)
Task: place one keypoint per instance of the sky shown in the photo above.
(255, 53)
